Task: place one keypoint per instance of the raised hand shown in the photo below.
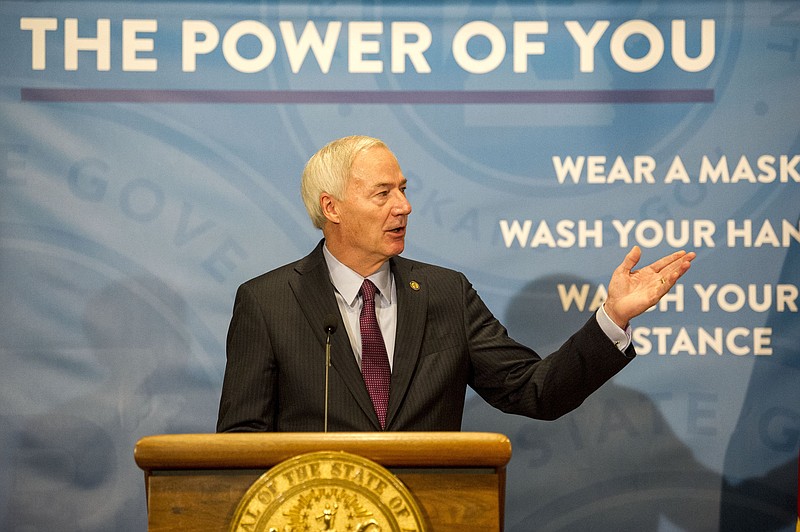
(631, 292)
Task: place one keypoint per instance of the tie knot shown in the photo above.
(368, 290)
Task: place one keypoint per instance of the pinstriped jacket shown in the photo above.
(447, 339)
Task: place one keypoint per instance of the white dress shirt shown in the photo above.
(348, 284)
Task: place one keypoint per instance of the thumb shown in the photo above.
(631, 259)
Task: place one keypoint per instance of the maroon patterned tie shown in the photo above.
(374, 360)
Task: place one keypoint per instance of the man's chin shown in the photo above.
(396, 249)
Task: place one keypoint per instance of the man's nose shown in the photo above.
(402, 206)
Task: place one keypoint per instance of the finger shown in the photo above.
(670, 274)
(676, 269)
(663, 262)
(631, 259)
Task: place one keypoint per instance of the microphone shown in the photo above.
(330, 323)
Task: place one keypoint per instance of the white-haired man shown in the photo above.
(414, 335)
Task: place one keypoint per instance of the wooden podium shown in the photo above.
(195, 481)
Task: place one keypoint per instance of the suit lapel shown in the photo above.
(412, 305)
(315, 294)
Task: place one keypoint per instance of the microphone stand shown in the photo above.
(330, 325)
(327, 372)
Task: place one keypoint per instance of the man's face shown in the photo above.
(370, 221)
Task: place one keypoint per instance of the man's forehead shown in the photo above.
(372, 169)
(374, 155)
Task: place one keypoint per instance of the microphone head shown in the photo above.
(330, 323)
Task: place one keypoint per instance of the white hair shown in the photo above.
(328, 170)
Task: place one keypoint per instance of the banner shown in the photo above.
(150, 155)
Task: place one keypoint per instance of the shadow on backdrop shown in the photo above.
(613, 464)
(761, 494)
(73, 466)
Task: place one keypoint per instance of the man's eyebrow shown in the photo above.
(387, 184)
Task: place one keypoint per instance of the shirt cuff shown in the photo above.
(620, 337)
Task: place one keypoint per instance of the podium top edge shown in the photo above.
(264, 450)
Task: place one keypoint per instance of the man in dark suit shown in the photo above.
(435, 336)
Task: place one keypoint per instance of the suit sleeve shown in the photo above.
(248, 399)
(515, 379)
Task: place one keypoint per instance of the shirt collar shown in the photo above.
(348, 283)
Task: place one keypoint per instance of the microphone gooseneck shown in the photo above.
(330, 323)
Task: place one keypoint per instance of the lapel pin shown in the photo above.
(414, 285)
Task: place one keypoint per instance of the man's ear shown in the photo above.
(330, 207)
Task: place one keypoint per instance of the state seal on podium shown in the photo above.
(328, 491)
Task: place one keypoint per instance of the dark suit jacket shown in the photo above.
(446, 340)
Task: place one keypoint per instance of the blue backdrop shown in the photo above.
(150, 155)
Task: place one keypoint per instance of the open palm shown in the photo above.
(631, 292)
